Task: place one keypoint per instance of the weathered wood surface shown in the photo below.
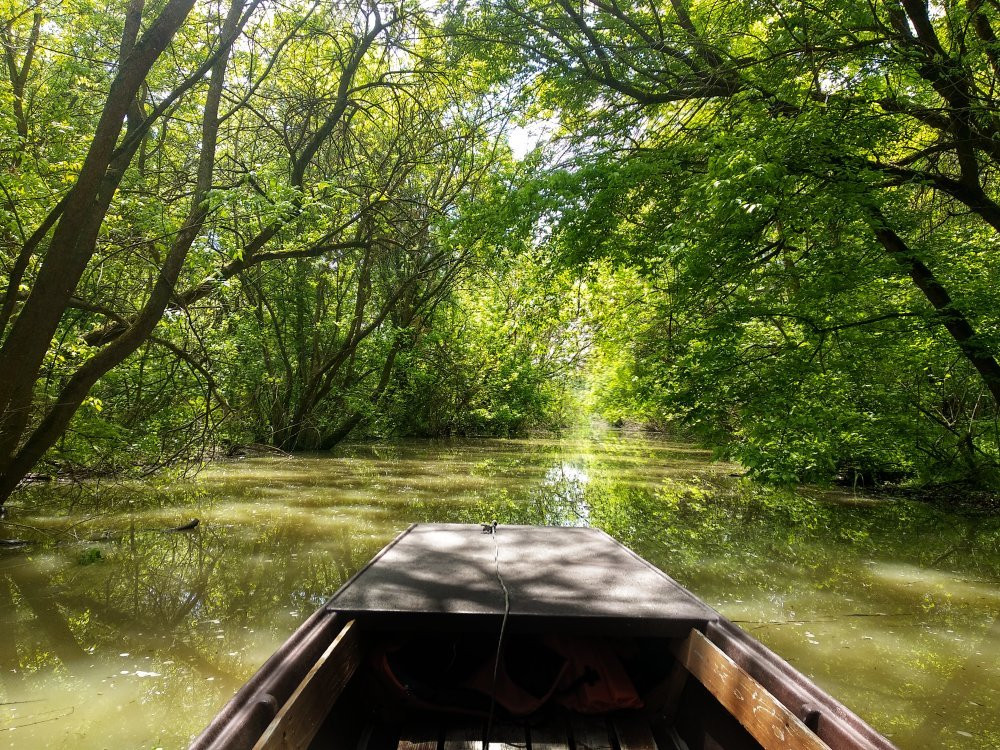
(467, 736)
(297, 722)
(507, 736)
(771, 723)
(556, 576)
(419, 737)
(664, 698)
(591, 733)
(633, 733)
(379, 736)
(551, 735)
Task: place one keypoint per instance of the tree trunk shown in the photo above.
(953, 319)
(73, 240)
(54, 424)
(359, 418)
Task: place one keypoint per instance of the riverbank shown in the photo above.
(961, 497)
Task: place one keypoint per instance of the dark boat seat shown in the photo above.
(626, 731)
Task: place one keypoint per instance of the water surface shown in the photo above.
(115, 634)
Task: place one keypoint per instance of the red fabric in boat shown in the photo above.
(580, 690)
(591, 680)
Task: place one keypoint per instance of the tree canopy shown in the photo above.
(772, 223)
(806, 195)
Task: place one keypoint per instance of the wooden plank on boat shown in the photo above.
(769, 721)
(435, 571)
(663, 699)
(379, 735)
(675, 740)
(295, 725)
(591, 733)
(507, 736)
(633, 733)
(419, 737)
(550, 735)
(464, 736)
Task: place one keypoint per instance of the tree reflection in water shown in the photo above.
(138, 638)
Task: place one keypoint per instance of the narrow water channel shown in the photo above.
(116, 634)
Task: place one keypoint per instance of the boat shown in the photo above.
(487, 637)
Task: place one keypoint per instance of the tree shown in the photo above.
(75, 222)
(226, 138)
(328, 332)
(761, 155)
(501, 355)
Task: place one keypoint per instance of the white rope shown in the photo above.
(492, 531)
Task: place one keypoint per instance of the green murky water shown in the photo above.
(114, 634)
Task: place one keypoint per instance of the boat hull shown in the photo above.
(717, 683)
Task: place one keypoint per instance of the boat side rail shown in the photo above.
(246, 716)
(767, 719)
(299, 719)
(836, 724)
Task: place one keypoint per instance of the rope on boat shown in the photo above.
(491, 529)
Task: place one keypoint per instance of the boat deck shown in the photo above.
(552, 579)
(571, 732)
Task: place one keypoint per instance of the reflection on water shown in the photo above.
(115, 633)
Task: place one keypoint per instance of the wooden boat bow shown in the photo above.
(719, 687)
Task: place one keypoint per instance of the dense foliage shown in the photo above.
(799, 206)
(243, 222)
